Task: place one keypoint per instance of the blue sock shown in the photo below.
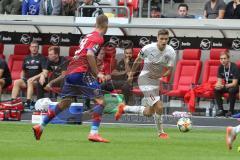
(96, 118)
(52, 112)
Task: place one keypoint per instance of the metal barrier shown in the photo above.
(113, 7)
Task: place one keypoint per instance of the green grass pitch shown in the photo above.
(69, 142)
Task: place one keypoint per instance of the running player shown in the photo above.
(156, 56)
(81, 79)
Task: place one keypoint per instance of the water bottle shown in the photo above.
(207, 114)
(214, 110)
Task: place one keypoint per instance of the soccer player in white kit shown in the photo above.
(159, 59)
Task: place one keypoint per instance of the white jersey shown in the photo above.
(155, 60)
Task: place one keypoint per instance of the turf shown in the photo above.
(68, 142)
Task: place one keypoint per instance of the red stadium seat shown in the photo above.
(15, 66)
(131, 4)
(72, 50)
(1, 48)
(187, 72)
(45, 50)
(21, 49)
(2, 56)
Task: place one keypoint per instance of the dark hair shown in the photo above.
(163, 32)
(156, 8)
(56, 49)
(183, 5)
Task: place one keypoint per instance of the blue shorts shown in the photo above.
(81, 84)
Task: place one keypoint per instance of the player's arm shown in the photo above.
(43, 76)
(135, 66)
(93, 65)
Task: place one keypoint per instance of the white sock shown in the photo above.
(236, 129)
(158, 121)
(134, 109)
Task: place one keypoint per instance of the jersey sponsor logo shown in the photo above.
(55, 39)
(205, 44)
(25, 39)
(236, 44)
(174, 42)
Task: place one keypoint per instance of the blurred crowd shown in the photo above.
(213, 9)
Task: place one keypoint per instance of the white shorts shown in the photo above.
(150, 89)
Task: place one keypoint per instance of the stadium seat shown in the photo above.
(1, 48)
(2, 56)
(131, 4)
(72, 50)
(45, 50)
(15, 66)
(21, 49)
(187, 73)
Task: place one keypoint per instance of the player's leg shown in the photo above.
(158, 107)
(53, 112)
(231, 133)
(96, 113)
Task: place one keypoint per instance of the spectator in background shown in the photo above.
(5, 76)
(10, 7)
(183, 11)
(227, 82)
(89, 12)
(30, 7)
(69, 7)
(120, 74)
(156, 12)
(214, 9)
(56, 65)
(232, 10)
(32, 67)
(50, 7)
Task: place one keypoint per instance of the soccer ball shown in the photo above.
(184, 124)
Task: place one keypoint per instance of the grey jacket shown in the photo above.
(56, 5)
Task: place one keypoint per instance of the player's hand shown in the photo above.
(101, 77)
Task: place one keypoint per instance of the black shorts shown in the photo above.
(8, 82)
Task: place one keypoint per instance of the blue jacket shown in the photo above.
(30, 7)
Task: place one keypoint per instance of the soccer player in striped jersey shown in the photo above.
(81, 79)
(156, 57)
